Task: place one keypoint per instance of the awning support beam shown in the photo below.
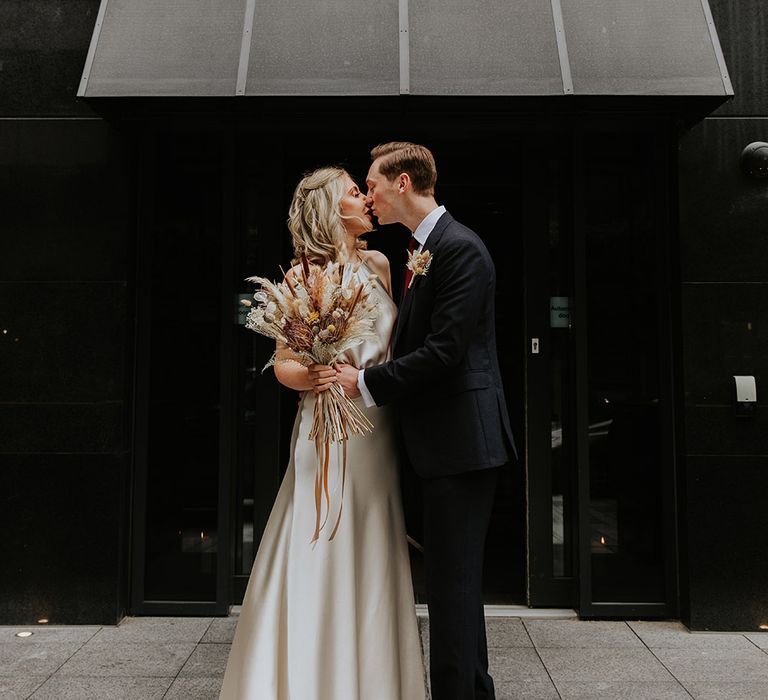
(562, 47)
(405, 48)
(245, 47)
(92, 49)
(717, 48)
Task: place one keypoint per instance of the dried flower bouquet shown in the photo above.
(318, 315)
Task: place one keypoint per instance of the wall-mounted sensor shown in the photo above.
(754, 160)
(746, 395)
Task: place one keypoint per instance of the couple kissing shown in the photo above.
(335, 619)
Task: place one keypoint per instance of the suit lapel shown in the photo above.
(430, 244)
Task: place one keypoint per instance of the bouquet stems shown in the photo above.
(334, 419)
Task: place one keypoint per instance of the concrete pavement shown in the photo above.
(537, 659)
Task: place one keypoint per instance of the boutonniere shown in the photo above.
(418, 264)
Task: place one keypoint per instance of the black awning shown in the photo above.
(227, 48)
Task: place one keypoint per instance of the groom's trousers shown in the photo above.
(457, 510)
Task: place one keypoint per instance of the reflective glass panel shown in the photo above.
(259, 467)
(562, 387)
(184, 335)
(492, 206)
(625, 430)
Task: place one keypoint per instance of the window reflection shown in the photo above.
(563, 458)
(624, 349)
(183, 356)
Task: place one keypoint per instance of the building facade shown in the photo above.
(142, 446)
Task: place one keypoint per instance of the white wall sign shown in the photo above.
(560, 312)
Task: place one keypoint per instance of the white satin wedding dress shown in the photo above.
(333, 620)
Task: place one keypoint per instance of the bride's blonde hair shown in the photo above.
(315, 220)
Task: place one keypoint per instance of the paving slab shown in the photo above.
(155, 630)
(195, 689)
(611, 690)
(582, 635)
(19, 688)
(727, 691)
(221, 631)
(32, 659)
(127, 659)
(677, 636)
(759, 639)
(207, 660)
(502, 633)
(519, 664)
(526, 690)
(594, 665)
(185, 658)
(505, 633)
(718, 665)
(60, 687)
(47, 633)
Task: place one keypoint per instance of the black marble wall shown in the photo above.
(42, 54)
(743, 27)
(65, 318)
(724, 300)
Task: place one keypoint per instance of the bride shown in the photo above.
(333, 620)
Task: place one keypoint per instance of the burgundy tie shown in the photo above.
(408, 273)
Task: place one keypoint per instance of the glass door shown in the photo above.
(550, 378)
(600, 447)
(576, 221)
(481, 184)
(626, 453)
(182, 416)
(265, 412)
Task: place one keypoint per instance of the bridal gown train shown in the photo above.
(334, 620)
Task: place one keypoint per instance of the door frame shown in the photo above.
(665, 139)
(545, 590)
(147, 138)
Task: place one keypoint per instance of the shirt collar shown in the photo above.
(427, 224)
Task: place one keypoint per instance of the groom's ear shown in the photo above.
(403, 182)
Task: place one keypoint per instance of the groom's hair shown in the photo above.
(404, 157)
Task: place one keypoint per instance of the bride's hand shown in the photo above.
(348, 380)
(321, 377)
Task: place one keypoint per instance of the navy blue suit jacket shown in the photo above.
(444, 377)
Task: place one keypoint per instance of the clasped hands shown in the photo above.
(321, 377)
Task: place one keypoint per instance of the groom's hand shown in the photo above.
(321, 377)
(348, 379)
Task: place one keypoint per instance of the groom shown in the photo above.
(445, 382)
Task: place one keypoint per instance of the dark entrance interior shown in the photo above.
(491, 205)
(577, 223)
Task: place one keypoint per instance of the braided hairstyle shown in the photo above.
(314, 217)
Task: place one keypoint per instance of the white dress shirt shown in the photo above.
(420, 234)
